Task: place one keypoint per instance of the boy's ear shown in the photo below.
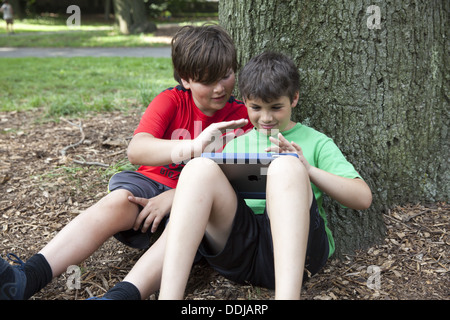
(185, 84)
(295, 100)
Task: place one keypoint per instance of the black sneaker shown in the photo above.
(15, 289)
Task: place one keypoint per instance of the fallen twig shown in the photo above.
(82, 162)
(80, 126)
(90, 163)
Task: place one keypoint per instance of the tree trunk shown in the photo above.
(131, 17)
(107, 12)
(375, 78)
(17, 9)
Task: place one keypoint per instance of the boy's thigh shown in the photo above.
(316, 250)
(236, 259)
(248, 254)
(318, 247)
(140, 186)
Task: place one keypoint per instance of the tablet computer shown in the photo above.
(247, 172)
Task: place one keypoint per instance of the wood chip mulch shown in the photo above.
(43, 188)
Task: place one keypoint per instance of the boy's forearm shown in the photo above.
(352, 193)
(144, 149)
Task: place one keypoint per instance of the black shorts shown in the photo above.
(248, 253)
(143, 187)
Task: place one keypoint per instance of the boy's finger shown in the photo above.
(144, 219)
(229, 136)
(282, 143)
(146, 225)
(155, 225)
(273, 149)
(282, 138)
(138, 221)
(140, 201)
(274, 141)
(297, 147)
(233, 124)
(145, 212)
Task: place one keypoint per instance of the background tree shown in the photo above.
(17, 8)
(131, 16)
(373, 77)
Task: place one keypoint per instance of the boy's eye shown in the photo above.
(227, 76)
(255, 108)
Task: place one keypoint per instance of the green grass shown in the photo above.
(53, 32)
(52, 24)
(80, 39)
(76, 86)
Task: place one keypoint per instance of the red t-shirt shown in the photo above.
(174, 115)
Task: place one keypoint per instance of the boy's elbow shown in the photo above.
(366, 202)
(135, 149)
(365, 199)
(133, 156)
(133, 153)
(362, 197)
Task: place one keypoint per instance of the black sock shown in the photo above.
(7, 280)
(123, 291)
(39, 274)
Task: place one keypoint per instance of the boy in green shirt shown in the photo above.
(271, 249)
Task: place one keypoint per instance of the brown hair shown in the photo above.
(269, 76)
(202, 54)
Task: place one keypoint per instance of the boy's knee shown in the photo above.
(287, 165)
(118, 199)
(288, 174)
(201, 164)
(201, 170)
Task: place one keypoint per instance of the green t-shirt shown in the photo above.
(319, 150)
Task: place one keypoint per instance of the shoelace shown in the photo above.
(12, 257)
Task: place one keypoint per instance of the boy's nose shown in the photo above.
(218, 88)
(266, 117)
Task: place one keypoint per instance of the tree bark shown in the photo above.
(107, 12)
(376, 82)
(131, 17)
(17, 9)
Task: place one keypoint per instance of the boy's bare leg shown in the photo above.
(89, 230)
(204, 200)
(289, 198)
(146, 273)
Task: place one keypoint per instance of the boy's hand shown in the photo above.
(284, 146)
(154, 210)
(213, 137)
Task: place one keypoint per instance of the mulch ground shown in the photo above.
(48, 176)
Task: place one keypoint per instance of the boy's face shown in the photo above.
(210, 98)
(271, 117)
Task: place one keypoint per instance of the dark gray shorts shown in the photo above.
(248, 253)
(143, 187)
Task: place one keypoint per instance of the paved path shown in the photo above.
(84, 52)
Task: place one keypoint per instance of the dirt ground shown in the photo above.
(42, 190)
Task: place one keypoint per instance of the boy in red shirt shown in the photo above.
(180, 123)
